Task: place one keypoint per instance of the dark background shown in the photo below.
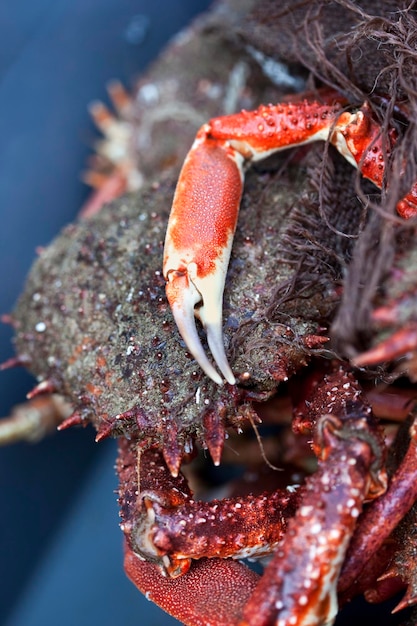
(60, 545)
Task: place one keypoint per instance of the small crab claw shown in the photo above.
(198, 244)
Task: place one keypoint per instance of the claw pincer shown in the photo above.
(198, 244)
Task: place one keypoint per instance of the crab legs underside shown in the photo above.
(308, 532)
(206, 202)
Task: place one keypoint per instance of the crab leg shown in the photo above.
(198, 244)
(171, 529)
(212, 591)
(383, 515)
(206, 202)
(237, 528)
(299, 585)
(304, 571)
(34, 419)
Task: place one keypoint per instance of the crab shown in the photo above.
(106, 351)
(185, 554)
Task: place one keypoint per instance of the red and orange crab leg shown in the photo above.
(168, 527)
(206, 202)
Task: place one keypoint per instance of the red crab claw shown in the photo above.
(206, 203)
(198, 243)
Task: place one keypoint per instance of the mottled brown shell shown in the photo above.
(94, 319)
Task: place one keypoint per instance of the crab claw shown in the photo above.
(206, 203)
(198, 244)
(184, 292)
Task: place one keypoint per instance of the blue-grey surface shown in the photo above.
(55, 57)
(80, 579)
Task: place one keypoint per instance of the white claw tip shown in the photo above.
(183, 296)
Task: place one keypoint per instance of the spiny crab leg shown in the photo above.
(210, 592)
(383, 516)
(206, 202)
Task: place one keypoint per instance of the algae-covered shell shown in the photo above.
(94, 321)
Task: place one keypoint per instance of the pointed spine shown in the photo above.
(172, 450)
(214, 434)
(15, 361)
(44, 387)
(74, 419)
(104, 431)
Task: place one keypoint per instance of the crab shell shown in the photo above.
(95, 326)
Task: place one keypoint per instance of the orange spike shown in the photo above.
(6, 318)
(104, 431)
(397, 345)
(214, 433)
(114, 186)
(120, 98)
(101, 115)
(410, 599)
(15, 361)
(46, 386)
(73, 420)
(95, 179)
